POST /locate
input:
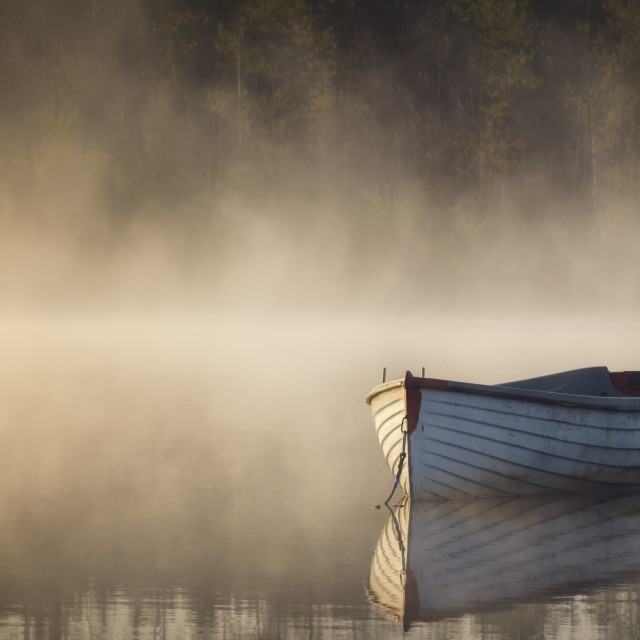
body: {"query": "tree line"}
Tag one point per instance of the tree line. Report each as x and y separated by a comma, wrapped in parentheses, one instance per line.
(377, 99)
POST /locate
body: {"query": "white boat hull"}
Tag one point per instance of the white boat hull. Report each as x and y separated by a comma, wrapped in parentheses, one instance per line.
(466, 441)
(388, 413)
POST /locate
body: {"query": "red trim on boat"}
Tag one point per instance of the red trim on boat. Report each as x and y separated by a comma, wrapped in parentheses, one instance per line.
(627, 382)
(413, 397)
(431, 383)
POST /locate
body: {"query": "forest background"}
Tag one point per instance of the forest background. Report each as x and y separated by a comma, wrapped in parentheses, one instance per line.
(304, 152)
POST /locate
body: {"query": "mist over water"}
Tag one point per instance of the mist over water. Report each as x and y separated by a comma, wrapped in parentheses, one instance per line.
(210, 248)
(218, 476)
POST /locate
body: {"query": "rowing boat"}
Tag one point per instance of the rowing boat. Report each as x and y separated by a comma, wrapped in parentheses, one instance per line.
(572, 431)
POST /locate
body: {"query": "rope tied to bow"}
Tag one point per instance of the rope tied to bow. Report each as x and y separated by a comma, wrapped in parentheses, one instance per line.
(403, 455)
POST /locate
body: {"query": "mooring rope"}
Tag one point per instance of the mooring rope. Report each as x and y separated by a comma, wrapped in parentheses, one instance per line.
(403, 455)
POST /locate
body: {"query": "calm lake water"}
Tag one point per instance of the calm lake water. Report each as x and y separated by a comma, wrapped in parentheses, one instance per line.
(182, 479)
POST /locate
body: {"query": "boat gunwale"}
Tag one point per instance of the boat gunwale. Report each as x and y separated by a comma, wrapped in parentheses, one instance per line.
(627, 404)
(385, 386)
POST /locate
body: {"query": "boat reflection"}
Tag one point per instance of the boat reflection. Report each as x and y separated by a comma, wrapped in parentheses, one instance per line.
(436, 560)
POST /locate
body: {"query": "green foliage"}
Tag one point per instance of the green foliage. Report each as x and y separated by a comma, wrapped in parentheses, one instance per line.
(382, 96)
(617, 97)
(500, 54)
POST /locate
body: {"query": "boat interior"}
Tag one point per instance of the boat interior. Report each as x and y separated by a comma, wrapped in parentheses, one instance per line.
(591, 381)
